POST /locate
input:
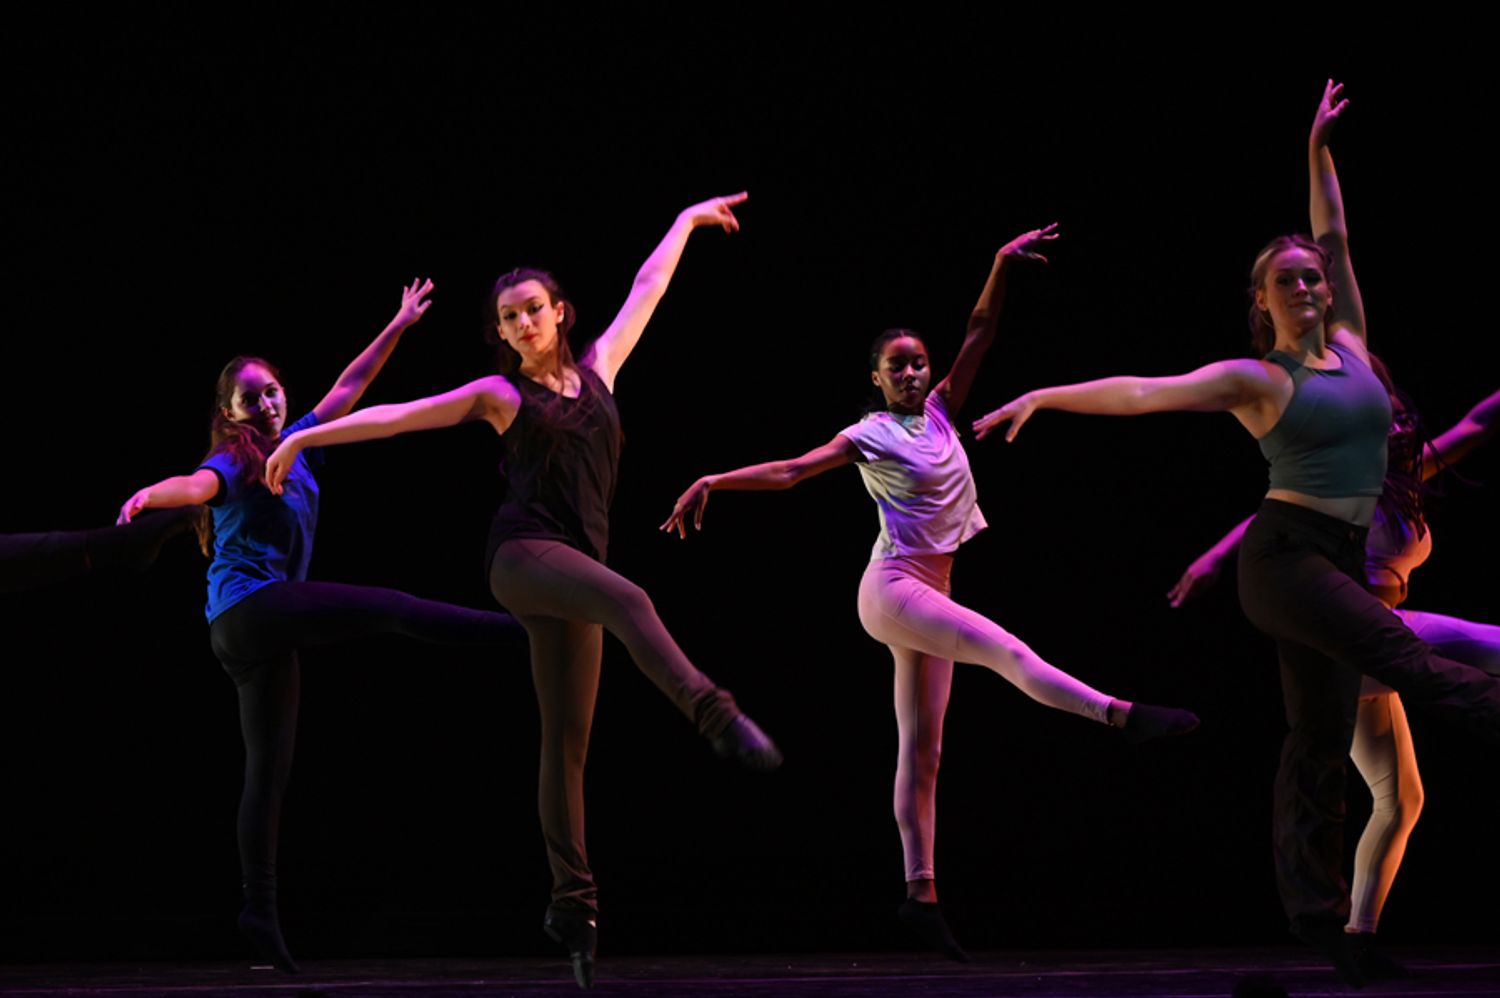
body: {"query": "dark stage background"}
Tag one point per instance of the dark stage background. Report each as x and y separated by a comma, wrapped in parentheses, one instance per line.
(179, 195)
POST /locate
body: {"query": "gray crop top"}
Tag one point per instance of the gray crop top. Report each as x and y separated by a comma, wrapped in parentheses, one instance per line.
(1331, 440)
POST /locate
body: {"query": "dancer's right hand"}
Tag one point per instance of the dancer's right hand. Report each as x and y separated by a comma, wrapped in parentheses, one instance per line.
(1199, 577)
(1016, 412)
(695, 499)
(133, 506)
(279, 464)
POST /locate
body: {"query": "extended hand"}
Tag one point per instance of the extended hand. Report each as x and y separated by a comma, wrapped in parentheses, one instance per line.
(1015, 412)
(1329, 109)
(413, 301)
(1198, 578)
(717, 211)
(694, 500)
(1026, 244)
(133, 506)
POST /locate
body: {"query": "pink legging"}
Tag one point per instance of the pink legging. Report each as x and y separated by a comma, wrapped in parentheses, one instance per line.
(904, 603)
(1387, 760)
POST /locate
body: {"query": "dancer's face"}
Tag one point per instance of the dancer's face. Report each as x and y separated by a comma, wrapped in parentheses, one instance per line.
(903, 375)
(1296, 291)
(528, 319)
(258, 400)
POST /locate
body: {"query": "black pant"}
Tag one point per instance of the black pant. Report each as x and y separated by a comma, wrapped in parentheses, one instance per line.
(257, 639)
(1301, 580)
(32, 561)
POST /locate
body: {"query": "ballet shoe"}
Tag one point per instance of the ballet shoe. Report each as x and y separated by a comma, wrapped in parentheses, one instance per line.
(1328, 937)
(925, 918)
(745, 743)
(261, 927)
(1144, 722)
(578, 931)
(1375, 965)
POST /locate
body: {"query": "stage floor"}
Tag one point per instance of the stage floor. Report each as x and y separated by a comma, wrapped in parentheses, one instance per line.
(1159, 974)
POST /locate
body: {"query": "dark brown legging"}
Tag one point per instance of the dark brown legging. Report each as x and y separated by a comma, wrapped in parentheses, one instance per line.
(566, 600)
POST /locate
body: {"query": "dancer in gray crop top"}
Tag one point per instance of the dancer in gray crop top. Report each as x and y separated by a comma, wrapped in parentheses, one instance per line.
(1302, 561)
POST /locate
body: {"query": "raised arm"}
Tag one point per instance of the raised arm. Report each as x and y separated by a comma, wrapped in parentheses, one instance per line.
(1475, 428)
(1326, 211)
(983, 320)
(492, 399)
(759, 477)
(346, 391)
(1242, 387)
(609, 351)
(169, 493)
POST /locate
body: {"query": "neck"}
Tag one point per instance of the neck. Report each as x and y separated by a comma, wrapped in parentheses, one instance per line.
(1302, 342)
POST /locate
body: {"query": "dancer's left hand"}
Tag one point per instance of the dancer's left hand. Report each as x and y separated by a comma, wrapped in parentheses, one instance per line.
(414, 302)
(1329, 109)
(716, 211)
(1016, 412)
(694, 500)
(1025, 245)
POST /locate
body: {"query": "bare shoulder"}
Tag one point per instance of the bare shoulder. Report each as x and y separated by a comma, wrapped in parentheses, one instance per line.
(496, 400)
(1351, 341)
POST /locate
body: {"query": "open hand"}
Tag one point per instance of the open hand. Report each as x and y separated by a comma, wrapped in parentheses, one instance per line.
(1329, 109)
(692, 502)
(413, 301)
(1016, 412)
(1025, 245)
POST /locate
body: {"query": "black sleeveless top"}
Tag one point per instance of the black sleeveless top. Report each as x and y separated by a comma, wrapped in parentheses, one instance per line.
(561, 457)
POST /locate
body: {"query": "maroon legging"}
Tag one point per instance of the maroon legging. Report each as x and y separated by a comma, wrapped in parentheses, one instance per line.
(566, 600)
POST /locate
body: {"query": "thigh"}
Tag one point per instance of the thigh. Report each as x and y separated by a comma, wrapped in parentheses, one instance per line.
(543, 578)
(1383, 750)
(1321, 698)
(901, 611)
(1466, 641)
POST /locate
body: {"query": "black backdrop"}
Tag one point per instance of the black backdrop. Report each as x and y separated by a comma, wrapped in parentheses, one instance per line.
(181, 193)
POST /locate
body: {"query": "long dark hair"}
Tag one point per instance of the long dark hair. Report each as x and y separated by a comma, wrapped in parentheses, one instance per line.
(1402, 497)
(1262, 331)
(248, 447)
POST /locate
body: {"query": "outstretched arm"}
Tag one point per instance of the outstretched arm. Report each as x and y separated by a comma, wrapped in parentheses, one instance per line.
(1475, 428)
(756, 477)
(492, 399)
(346, 391)
(1236, 386)
(1326, 211)
(169, 493)
(986, 315)
(609, 351)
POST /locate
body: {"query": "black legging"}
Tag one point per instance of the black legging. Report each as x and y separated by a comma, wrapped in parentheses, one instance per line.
(32, 561)
(1301, 580)
(567, 600)
(257, 639)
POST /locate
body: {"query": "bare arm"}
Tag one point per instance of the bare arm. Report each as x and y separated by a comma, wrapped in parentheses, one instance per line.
(1205, 569)
(986, 315)
(346, 391)
(615, 344)
(169, 493)
(1454, 443)
(1223, 386)
(492, 399)
(1326, 213)
(758, 477)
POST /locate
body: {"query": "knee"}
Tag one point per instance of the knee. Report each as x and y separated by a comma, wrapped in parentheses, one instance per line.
(631, 606)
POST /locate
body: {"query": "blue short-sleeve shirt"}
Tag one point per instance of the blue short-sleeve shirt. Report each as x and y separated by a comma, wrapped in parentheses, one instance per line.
(260, 538)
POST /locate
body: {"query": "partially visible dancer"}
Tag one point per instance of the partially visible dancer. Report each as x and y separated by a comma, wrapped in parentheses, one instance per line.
(914, 466)
(1321, 416)
(53, 557)
(1399, 542)
(261, 609)
(561, 433)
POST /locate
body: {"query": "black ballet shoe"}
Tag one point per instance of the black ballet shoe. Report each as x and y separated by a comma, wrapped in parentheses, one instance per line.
(578, 931)
(926, 920)
(1144, 722)
(261, 927)
(1329, 938)
(745, 743)
(1375, 965)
